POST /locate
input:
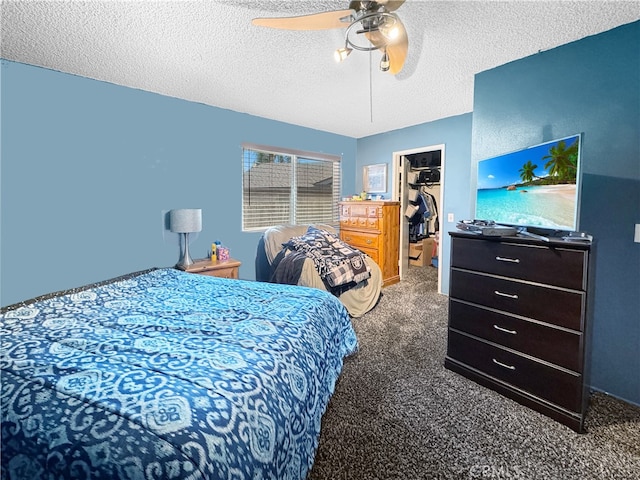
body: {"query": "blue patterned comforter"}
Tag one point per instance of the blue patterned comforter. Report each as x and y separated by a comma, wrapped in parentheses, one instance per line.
(170, 375)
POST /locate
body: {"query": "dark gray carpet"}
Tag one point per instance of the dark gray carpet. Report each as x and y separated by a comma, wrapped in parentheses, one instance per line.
(398, 414)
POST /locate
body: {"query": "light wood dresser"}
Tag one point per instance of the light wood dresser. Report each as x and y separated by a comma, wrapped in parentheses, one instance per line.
(373, 227)
(518, 321)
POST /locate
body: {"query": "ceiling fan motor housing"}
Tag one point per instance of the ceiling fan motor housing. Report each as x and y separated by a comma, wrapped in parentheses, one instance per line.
(366, 6)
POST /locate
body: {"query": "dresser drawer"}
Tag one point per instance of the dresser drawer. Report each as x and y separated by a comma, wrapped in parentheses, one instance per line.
(373, 223)
(360, 239)
(551, 265)
(363, 209)
(223, 268)
(546, 304)
(361, 223)
(366, 223)
(375, 256)
(352, 222)
(231, 272)
(551, 344)
(558, 386)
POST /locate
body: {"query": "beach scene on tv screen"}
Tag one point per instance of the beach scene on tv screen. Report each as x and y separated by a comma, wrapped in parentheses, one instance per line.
(535, 186)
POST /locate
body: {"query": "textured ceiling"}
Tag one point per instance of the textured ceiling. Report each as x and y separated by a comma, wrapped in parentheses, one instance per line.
(209, 52)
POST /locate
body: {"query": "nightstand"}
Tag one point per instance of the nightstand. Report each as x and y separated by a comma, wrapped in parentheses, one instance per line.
(223, 269)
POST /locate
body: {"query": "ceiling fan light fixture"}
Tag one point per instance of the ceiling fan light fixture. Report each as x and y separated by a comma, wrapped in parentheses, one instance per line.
(342, 53)
(389, 27)
(384, 62)
(369, 25)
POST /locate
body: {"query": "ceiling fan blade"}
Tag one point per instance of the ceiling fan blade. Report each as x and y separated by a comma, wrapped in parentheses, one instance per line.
(376, 38)
(397, 52)
(391, 5)
(316, 21)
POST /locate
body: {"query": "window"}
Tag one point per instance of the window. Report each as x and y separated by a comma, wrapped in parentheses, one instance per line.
(281, 186)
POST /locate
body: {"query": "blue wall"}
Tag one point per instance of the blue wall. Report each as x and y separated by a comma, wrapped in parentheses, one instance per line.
(88, 168)
(455, 134)
(590, 86)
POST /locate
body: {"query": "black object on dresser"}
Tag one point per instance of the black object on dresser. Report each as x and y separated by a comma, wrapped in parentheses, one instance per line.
(518, 320)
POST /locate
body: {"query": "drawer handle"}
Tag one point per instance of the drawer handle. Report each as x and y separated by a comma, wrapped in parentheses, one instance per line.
(510, 260)
(503, 365)
(512, 332)
(369, 241)
(348, 239)
(508, 295)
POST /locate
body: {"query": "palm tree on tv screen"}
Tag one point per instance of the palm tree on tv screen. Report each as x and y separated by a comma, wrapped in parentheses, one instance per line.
(527, 171)
(562, 162)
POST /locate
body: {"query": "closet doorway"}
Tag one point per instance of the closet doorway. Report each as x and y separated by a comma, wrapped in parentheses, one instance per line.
(403, 171)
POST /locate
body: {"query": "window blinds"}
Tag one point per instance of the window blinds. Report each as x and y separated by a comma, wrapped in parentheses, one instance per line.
(288, 187)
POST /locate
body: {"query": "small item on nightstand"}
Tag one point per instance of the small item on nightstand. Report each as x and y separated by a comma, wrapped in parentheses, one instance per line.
(223, 253)
(217, 245)
(214, 252)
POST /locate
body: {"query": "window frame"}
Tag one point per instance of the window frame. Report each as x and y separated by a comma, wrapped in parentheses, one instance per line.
(296, 155)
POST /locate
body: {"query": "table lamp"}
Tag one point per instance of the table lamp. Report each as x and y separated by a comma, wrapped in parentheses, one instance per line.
(185, 221)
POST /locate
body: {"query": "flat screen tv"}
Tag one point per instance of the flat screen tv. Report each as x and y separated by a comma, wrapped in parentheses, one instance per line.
(538, 186)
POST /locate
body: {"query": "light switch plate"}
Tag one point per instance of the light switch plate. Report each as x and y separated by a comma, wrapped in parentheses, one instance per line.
(636, 237)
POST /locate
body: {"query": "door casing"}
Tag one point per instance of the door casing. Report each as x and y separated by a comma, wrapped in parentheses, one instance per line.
(399, 193)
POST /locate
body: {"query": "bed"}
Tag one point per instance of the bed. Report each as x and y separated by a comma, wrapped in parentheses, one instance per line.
(164, 374)
(358, 298)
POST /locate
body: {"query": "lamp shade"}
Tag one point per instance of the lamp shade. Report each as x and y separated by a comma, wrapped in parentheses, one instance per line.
(185, 220)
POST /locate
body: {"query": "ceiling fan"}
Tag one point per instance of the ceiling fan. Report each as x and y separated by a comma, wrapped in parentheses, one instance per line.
(374, 20)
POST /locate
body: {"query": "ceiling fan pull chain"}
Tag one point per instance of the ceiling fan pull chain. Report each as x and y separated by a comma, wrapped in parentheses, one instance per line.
(370, 88)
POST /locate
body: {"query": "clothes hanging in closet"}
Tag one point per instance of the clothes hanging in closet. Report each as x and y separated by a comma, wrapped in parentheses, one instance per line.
(423, 216)
(432, 223)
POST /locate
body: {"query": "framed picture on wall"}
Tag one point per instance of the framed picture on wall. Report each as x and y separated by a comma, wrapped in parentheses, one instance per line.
(374, 178)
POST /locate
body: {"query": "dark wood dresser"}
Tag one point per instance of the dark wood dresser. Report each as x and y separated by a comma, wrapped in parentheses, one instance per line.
(518, 320)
